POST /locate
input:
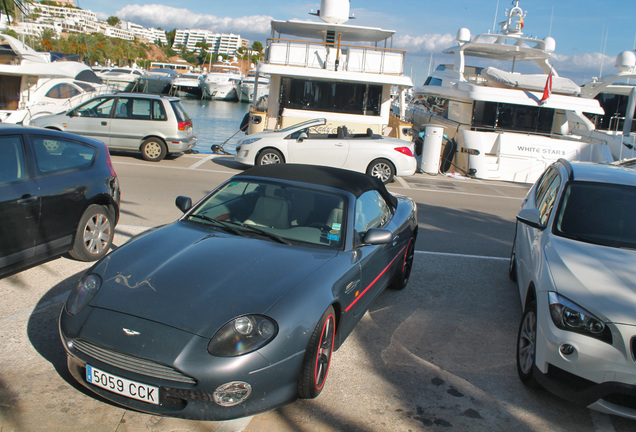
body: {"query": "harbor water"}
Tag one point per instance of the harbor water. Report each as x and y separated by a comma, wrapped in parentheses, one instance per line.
(215, 122)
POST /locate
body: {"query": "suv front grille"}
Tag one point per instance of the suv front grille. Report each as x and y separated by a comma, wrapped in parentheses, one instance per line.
(132, 364)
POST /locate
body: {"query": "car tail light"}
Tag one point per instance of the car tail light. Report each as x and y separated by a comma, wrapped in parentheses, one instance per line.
(109, 162)
(183, 125)
(405, 151)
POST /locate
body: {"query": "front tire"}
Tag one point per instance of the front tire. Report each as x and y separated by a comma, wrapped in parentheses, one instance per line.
(269, 156)
(94, 234)
(402, 276)
(382, 169)
(153, 149)
(527, 345)
(318, 357)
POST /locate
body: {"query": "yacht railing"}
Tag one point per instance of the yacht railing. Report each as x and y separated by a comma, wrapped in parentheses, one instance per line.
(335, 57)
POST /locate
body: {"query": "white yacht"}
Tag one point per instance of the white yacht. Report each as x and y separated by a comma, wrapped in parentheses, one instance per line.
(505, 125)
(31, 84)
(331, 70)
(124, 79)
(617, 95)
(222, 82)
(248, 85)
(188, 84)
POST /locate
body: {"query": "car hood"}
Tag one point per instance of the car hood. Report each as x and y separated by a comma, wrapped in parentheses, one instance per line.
(601, 279)
(196, 279)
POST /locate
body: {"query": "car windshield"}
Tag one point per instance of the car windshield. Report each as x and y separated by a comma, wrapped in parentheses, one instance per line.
(295, 214)
(599, 213)
(291, 128)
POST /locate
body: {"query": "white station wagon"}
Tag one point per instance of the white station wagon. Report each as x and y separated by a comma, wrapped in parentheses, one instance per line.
(310, 143)
(152, 124)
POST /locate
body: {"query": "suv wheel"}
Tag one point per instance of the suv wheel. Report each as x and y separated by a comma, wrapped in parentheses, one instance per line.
(94, 234)
(153, 149)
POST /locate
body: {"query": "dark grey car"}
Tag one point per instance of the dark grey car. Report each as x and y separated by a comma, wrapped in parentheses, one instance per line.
(58, 193)
(237, 307)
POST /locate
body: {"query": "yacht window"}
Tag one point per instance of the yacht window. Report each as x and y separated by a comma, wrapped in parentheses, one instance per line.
(615, 107)
(495, 115)
(330, 96)
(62, 91)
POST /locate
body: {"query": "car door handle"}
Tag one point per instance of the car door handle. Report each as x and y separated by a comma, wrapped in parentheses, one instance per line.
(27, 200)
(104, 123)
(339, 144)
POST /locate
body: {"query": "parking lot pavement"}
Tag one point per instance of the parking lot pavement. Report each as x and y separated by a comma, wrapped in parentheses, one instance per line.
(437, 356)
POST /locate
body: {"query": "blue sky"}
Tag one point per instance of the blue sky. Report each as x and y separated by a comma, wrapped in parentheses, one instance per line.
(589, 33)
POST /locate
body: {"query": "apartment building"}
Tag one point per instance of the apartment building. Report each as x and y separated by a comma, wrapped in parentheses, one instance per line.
(218, 43)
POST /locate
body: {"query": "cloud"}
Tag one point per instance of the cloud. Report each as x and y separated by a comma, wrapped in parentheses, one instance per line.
(583, 67)
(168, 18)
(432, 43)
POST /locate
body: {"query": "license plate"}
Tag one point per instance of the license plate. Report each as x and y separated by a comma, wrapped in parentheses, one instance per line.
(122, 386)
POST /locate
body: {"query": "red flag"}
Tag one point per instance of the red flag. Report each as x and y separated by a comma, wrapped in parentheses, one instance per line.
(548, 89)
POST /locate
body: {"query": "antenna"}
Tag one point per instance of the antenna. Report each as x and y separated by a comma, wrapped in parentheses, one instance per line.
(494, 23)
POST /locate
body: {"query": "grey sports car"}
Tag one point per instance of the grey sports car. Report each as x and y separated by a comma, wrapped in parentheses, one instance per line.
(237, 307)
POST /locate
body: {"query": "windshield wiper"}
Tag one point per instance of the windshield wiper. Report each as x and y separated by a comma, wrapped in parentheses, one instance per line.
(263, 232)
(221, 224)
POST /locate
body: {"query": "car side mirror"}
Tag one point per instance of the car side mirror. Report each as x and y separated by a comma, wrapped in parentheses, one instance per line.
(530, 217)
(303, 136)
(72, 113)
(183, 203)
(377, 236)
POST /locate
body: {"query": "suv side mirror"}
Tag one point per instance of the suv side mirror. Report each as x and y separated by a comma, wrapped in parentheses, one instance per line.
(183, 203)
(531, 217)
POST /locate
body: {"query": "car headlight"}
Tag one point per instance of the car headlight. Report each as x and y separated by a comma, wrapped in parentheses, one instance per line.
(569, 316)
(248, 141)
(83, 293)
(243, 335)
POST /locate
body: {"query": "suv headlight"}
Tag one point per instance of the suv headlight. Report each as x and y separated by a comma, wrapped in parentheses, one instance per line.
(243, 335)
(83, 293)
(569, 316)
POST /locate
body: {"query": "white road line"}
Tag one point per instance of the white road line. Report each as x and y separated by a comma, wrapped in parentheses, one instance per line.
(201, 162)
(463, 255)
(403, 182)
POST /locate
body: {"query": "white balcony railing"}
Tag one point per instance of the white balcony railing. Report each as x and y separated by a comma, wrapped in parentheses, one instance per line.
(349, 58)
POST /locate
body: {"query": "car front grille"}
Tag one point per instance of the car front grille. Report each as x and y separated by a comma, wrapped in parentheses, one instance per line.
(130, 363)
(633, 347)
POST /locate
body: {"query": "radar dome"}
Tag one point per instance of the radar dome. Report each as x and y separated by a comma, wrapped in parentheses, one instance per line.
(334, 11)
(625, 61)
(463, 35)
(550, 44)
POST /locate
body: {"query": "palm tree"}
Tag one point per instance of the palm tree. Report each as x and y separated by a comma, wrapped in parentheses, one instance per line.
(16, 4)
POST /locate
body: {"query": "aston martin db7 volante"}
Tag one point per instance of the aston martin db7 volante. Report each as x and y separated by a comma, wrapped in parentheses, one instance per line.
(237, 307)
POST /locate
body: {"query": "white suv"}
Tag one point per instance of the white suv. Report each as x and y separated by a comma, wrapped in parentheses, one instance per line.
(152, 124)
(574, 261)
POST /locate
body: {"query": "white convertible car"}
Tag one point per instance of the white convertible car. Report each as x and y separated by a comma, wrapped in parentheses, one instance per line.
(310, 143)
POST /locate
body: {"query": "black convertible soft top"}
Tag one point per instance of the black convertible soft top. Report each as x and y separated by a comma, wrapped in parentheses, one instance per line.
(350, 181)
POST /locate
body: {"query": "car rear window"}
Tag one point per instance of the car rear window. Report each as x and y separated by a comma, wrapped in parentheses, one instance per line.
(599, 213)
(179, 111)
(54, 154)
